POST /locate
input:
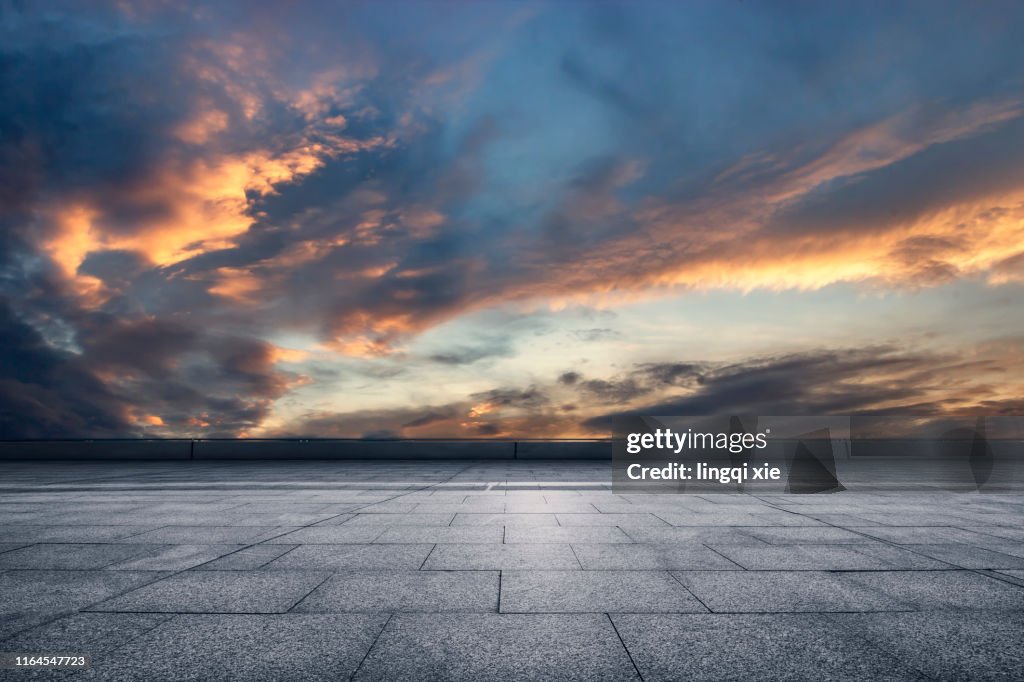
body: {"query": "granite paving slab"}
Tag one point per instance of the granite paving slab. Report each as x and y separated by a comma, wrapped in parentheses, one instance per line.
(576, 647)
(480, 557)
(244, 648)
(784, 591)
(218, 592)
(402, 591)
(753, 647)
(595, 592)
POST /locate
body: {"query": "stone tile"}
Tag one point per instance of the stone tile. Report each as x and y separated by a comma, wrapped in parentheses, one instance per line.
(329, 535)
(476, 505)
(1012, 548)
(498, 647)
(903, 557)
(426, 506)
(247, 559)
(60, 590)
(210, 535)
(965, 556)
(647, 557)
(623, 520)
(921, 535)
(173, 557)
(466, 557)
(145, 518)
(735, 518)
(415, 519)
(594, 592)
(244, 648)
(353, 557)
(340, 507)
(561, 534)
(801, 558)
(1005, 532)
(274, 519)
(843, 520)
(810, 535)
(69, 556)
(85, 632)
(287, 508)
(896, 517)
(752, 647)
(556, 507)
(691, 534)
(8, 546)
(490, 507)
(31, 597)
(76, 534)
(390, 508)
(948, 645)
(442, 534)
(784, 591)
(928, 590)
(504, 520)
(219, 592)
(338, 520)
(398, 591)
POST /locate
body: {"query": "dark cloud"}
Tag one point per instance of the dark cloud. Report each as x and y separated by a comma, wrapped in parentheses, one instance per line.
(149, 346)
(673, 373)
(427, 421)
(569, 378)
(499, 347)
(529, 398)
(504, 412)
(865, 380)
(47, 393)
(618, 391)
(595, 334)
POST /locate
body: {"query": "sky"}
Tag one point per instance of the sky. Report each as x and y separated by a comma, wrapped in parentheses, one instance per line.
(496, 219)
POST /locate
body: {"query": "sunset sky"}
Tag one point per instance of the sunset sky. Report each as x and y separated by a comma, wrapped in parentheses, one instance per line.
(505, 219)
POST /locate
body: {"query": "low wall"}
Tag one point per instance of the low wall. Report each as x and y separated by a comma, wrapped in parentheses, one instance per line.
(301, 449)
(96, 450)
(354, 449)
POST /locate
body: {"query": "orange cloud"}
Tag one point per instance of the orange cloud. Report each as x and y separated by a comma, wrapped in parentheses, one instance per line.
(237, 284)
(198, 198)
(280, 354)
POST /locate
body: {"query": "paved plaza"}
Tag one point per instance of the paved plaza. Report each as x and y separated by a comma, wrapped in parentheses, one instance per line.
(497, 570)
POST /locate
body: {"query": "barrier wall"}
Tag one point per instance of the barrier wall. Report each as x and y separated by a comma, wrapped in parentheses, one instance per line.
(354, 449)
(311, 449)
(97, 450)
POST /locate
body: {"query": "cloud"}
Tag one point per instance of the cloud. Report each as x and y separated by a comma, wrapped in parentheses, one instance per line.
(869, 380)
(181, 188)
(46, 393)
(569, 378)
(484, 349)
(857, 380)
(595, 334)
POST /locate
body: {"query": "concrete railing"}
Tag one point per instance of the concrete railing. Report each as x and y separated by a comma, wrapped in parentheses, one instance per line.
(300, 449)
(429, 449)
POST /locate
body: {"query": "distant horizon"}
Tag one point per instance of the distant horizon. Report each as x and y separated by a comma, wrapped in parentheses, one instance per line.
(505, 220)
